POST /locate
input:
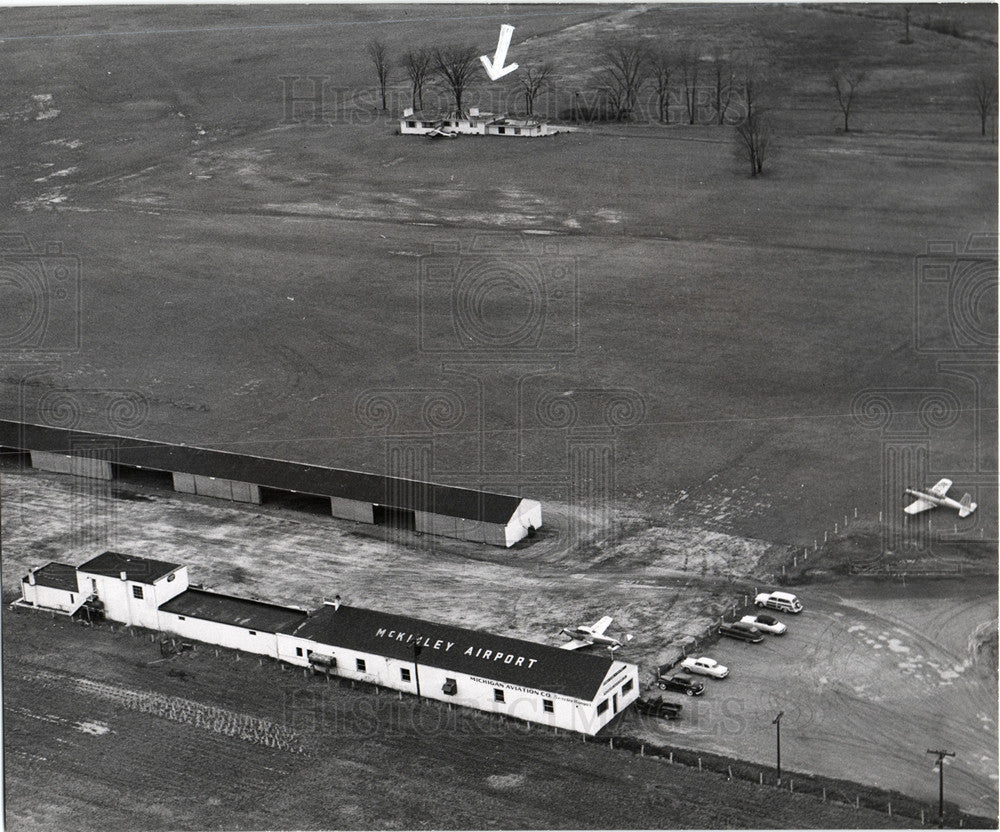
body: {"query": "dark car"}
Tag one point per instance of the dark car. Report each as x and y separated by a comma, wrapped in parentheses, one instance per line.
(742, 631)
(659, 708)
(682, 684)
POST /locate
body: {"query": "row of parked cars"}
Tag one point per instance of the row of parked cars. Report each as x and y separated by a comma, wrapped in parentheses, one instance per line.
(749, 628)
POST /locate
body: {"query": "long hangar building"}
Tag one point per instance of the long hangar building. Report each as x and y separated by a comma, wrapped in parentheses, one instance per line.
(538, 683)
(429, 508)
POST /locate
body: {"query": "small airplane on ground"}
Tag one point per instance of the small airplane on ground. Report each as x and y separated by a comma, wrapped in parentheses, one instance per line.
(440, 133)
(584, 636)
(936, 498)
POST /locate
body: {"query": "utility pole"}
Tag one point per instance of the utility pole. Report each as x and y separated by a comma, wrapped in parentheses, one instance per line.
(940, 767)
(777, 724)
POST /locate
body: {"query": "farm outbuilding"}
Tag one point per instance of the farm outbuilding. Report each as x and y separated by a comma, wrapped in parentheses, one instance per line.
(566, 689)
(424, 507)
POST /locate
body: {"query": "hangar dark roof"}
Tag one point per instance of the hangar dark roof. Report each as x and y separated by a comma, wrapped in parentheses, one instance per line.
(473, 652)
(465, 503)
(140, 570)
(57, 576)
(229, 609)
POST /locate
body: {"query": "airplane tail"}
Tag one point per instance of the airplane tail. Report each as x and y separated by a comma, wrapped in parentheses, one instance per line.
(967, 506)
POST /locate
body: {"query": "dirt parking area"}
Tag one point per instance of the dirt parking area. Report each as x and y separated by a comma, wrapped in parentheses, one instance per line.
(869, 676)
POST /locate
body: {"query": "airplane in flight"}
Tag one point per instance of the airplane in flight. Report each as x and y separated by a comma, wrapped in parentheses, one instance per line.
(584, 636)
(937, 497)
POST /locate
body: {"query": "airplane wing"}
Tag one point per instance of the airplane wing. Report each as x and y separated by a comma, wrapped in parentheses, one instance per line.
(941, 488)
(575, 644)
(599, 628)
(919, 506)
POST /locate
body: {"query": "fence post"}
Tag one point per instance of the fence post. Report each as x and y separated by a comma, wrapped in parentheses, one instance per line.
(730, 772)
(921, 817)
(642, 750)
(699, 764)
(890, 808)
(761, 775)
(791, 785)
(857, 802)
(671, 758)
(824, 794)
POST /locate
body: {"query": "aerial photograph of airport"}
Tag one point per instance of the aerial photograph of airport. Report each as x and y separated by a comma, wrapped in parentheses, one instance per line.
(499, 416)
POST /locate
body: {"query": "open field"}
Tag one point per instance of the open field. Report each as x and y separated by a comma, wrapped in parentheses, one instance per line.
(80, 759)
(265, 286)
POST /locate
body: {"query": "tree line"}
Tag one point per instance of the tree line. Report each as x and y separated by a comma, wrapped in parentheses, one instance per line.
(634, 77)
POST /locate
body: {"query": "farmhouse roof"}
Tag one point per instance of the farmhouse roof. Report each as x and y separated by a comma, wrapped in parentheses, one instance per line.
(230, 609)
(140, 570)
(57, 576)
(452, 501)
(497, 658)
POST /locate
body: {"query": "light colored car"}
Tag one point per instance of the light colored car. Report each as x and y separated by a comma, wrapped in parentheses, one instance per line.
(777, 600)
(705, 666)
(767, 623)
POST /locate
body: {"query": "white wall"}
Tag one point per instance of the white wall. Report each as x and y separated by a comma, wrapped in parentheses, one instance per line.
(50, 598)
(472, 692)
(120, 603)
(79, 466)
(223, 635)
(528, 513)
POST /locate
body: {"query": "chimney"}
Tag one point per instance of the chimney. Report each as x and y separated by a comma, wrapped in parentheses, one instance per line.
(407, 112)
(124, 575)
(336, 602)
(31, 577)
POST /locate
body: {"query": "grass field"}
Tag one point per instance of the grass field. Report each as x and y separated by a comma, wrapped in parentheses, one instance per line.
(266, 286)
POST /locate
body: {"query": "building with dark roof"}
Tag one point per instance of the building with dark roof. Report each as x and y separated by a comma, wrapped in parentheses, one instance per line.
(429, 508)
(567, 689)
(536, 682)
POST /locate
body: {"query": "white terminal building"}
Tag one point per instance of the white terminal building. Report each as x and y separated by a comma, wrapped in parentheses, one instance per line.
(472, 123)
(537, 683)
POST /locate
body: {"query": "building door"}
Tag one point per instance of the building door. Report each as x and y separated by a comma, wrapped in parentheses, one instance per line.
(614, 703)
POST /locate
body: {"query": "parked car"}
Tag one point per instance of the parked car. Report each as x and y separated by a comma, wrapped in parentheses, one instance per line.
(741, 631)
(782, 601)
(659, 707)
(765, 622)
(681, 683)
(705, 666)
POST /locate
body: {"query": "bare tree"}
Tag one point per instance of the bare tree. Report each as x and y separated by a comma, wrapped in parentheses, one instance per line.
(377, 52)
(845, 84)
(418, 66)
(983, 86)
(905, 10)
(753, 130)
(456, 65)
(530, 81)
(753, 135)
(722, 70)
(661, 67)
(690, 64)
(623, 67)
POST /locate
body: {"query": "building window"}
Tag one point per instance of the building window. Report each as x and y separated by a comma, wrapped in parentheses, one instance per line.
(450, 687)
(517, 131)
(602, 707)
(627, 686)
(411, 124)
(298, 651)
(71, 598)
(548, 706)
(498, 695)
(180, 618)
(136, 591)
(253, 632)
(404, 674)
(501, 130)
(170, 577)
(361, 666)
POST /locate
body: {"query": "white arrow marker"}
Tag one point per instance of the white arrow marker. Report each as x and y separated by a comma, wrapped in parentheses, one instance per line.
(495, 68)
